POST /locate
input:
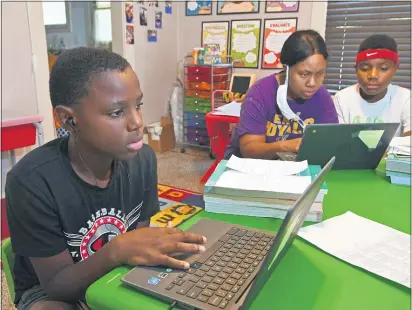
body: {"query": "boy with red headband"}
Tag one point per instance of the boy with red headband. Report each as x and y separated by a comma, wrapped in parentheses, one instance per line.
(374, 99)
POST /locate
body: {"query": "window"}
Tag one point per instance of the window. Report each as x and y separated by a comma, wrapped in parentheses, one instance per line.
(56, 15)
(102, 28)
(349, 23)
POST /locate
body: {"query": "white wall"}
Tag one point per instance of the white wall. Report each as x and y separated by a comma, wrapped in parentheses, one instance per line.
(154, 63)
(189, 29)
(318, 20)
(25, 69)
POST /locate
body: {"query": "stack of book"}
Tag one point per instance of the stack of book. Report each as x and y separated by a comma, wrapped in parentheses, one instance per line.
(260, 203)
(398, 163)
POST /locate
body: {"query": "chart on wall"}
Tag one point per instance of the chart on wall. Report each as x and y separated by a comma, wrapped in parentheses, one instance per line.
(281, 6)
(216, 33)
(244, 43)
(194, 8)
(236, 7)
(275, 34)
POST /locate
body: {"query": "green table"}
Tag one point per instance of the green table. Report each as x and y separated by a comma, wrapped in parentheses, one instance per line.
(307, 278)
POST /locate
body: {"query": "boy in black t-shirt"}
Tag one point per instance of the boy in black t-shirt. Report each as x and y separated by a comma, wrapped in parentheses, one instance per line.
(73, 204)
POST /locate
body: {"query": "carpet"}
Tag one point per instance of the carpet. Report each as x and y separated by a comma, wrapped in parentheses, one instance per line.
(176, 205)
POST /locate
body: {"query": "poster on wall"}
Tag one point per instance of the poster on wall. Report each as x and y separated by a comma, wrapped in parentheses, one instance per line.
(244, 43)
(194, 8)
(281, 6)
(216, 33)
(129, 12)
(152, 35)
(154, 3)
(143, 16)
(237, 7)
(158, 20)
(130, 34)
(168, 7)
(275, 34)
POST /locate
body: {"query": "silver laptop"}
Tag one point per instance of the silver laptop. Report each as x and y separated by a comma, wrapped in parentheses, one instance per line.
(237, 263)
(353, 145)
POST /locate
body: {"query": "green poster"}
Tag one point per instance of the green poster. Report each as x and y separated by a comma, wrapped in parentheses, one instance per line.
(244, 43)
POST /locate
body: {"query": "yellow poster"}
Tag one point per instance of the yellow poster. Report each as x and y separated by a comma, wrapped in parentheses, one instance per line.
(216, 33)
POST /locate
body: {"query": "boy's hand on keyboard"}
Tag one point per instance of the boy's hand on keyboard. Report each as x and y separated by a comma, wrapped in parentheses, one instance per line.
(155, 246)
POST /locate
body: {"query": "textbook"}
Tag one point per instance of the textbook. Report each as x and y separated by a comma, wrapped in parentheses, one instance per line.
(210, 187)
(258, 203)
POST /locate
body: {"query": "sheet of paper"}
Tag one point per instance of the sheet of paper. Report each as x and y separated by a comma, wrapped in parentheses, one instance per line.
(266, 167)
(230, 109)
(401, 141)
(267, 183)
(400, 146)
(361, 242)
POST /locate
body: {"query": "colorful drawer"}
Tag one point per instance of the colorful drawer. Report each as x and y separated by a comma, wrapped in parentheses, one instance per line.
(206, 78)
(195, 123)
(206, 70)
(206, 85)
(195, 116)
(197, 101)
(201, 140)
(194, 131)
(196, 109)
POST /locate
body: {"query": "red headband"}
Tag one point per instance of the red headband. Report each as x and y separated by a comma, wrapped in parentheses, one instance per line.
(377, 53)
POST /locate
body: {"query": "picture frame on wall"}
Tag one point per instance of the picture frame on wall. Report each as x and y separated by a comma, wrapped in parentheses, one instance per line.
(275, 33)
(281, 6)
(245, 43)
(216, 32)
(196, 8)
(237, 7)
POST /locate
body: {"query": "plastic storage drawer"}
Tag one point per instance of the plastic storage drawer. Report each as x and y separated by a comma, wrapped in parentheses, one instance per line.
(195, 116)
(194, 131)
(196, 108)
(203, 94)
(197, 139)
(197, 101)
(206, 70)
(206, 86)
(206, 78)
(195, 123)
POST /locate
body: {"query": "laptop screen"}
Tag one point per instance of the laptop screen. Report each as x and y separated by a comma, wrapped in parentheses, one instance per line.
(287, 233)
(240, 84)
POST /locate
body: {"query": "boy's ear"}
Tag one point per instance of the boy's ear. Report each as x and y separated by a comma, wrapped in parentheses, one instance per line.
(63, 114)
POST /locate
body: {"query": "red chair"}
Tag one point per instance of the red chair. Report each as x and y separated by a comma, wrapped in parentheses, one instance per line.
(218, 129)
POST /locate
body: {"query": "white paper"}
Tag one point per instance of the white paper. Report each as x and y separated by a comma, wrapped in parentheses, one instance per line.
(400, 146)
(266, 183)
(266, 167)
(361, 242)
(230, 109)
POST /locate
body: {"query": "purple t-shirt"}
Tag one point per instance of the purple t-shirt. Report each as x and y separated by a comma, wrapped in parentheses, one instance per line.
(260, 115)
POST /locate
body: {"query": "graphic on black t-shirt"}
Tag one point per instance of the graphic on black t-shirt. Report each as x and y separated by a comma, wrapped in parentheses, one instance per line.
(103, 226)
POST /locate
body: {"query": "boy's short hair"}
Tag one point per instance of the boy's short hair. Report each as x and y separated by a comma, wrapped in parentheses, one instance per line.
(378, 41)
(71, 74)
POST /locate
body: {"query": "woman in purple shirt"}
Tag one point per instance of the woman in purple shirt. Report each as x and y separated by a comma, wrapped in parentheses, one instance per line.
(278, 107)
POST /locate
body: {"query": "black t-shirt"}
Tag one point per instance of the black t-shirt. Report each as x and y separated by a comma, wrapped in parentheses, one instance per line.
(50, 208)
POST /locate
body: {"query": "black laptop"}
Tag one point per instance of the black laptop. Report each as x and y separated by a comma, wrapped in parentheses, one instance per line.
(355, 146)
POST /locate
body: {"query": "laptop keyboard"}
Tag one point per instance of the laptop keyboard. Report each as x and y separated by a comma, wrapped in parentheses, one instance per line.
(219, 274)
